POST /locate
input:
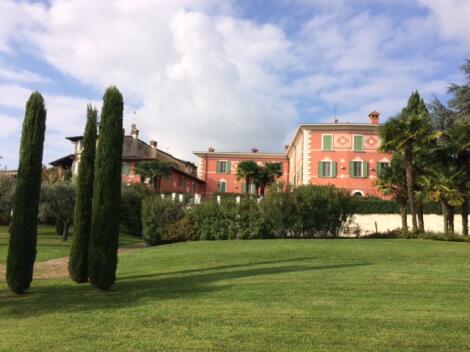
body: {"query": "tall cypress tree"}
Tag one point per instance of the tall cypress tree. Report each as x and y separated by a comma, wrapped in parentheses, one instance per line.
(78, 260)
(23, 229)
(107, 193)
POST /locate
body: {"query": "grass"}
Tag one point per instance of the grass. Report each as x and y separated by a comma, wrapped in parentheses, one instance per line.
(50, 245)
(272, 295)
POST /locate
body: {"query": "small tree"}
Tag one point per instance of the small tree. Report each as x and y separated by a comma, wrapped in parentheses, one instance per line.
(58, 201)
(104, 235)
(267, 175)
(155, 170)
(78, 259)
(23, 229)
(248, 170)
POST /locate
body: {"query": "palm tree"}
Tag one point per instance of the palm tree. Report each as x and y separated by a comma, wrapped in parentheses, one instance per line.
(406, 133)
(392, 181)
(267, 175)
(248, 170)
(442, 185)
(155, 170)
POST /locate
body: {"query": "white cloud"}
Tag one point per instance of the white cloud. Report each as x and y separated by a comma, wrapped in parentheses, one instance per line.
(200, 75)
(20, 76)
(452, 17)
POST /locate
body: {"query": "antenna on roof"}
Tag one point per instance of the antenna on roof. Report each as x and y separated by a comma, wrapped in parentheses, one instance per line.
(336, 118)
(134, 116)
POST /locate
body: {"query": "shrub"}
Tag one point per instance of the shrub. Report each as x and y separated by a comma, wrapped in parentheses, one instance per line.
(182, 230)
(131, 208)
(322, 210)
(279, 212)
(249, 220)
(213, 221)
(7, 190)
(157, 216)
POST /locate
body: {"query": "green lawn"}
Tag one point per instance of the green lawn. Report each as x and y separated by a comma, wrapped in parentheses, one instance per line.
(49, 244)
(272, 295)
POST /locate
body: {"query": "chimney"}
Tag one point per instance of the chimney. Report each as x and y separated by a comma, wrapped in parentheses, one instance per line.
(286, 147)
(374, 117)
(211, 149)
(134, 131)
(254, 150)
(153, 148)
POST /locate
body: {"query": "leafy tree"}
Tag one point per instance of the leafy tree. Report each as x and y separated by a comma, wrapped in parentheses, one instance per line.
(392, 181)
(248, 170)
(7, 191)
(460, 101)
(406, 133)
(78, 259)
(58, 201)
(155, 170)
(23, 229)
(104, 235)
(267, 175)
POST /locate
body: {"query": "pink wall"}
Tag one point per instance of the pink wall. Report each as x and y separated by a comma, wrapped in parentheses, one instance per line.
(212, 177)
(342, 154)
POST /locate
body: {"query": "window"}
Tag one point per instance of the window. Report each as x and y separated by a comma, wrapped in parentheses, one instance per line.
(381, 166)
(167, 178)
(125, 169)
(222, 187)
(193, 186)
(252, 188)
(327, 169)
(327, 142)
(181, 181)
(223, 167)
(358, 143)
(359, 169)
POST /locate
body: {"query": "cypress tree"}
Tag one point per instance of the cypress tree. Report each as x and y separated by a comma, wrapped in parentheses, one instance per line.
(78, 260)
(23, 229)
(106, 193)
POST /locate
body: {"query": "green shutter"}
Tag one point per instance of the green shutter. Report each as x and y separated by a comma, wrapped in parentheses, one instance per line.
(365, 169)
(358, 144)
(351, 168)
(218, 166)
(243, 187)
(333, 168)
(320, 169)
(327, 142)
(379, 169)
(229, 166)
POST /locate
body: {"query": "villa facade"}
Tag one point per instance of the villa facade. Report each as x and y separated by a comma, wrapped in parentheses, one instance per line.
(345, 155)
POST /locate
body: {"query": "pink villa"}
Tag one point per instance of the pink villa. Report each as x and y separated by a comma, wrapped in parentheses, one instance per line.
(345, 155)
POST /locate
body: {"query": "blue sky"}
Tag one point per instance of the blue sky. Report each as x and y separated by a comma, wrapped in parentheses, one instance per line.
(227, 74)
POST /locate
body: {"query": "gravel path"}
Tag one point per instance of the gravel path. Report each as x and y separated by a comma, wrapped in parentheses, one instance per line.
(57, 268)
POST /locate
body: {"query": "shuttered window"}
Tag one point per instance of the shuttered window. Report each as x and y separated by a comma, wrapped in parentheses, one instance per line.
(223, 166)
(327, 168)
(358, 143)
(222, 187)
(359, 169)
(327, 142)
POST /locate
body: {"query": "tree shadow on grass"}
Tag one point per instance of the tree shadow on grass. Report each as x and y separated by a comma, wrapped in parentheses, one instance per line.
(52, 297)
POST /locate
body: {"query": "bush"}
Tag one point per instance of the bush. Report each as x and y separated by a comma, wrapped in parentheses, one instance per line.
(7, 190)
(157, 216)
(322, 210)
(228, 220)
(131, 208)
(279, 211)
(180, 231)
